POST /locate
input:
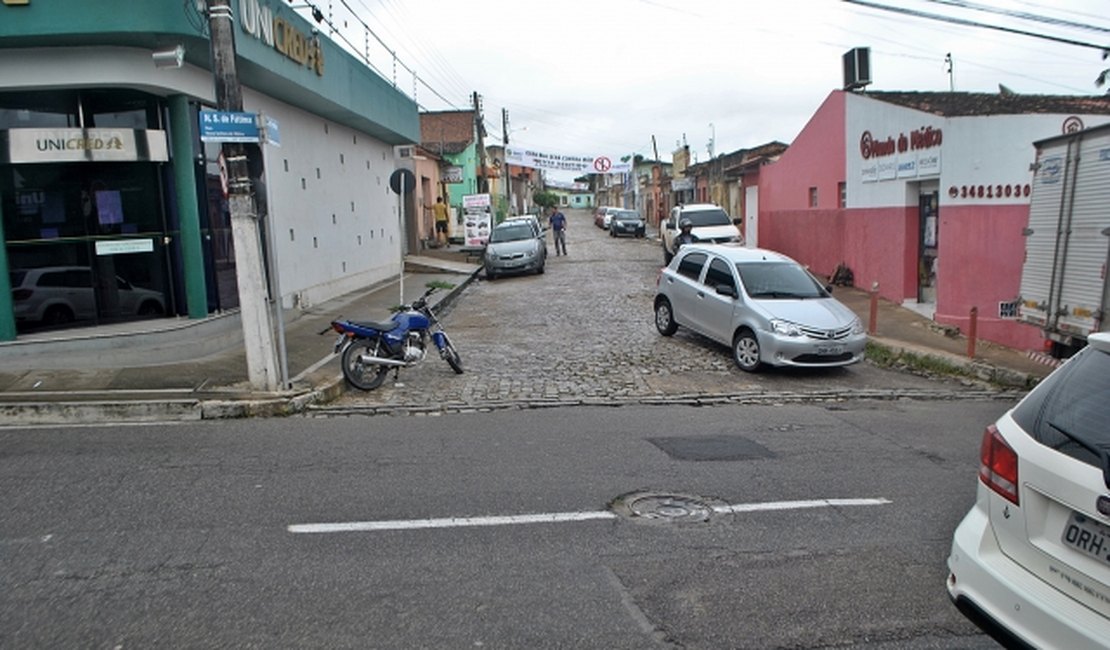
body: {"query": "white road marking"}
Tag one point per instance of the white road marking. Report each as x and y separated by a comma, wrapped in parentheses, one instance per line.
(558, 517)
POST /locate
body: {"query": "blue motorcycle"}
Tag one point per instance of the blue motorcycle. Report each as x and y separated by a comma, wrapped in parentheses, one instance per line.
(370, 349)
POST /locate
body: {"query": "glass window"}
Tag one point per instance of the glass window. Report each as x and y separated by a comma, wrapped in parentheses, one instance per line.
(690, 265)
(719, 274)
(118, 108)
(786, 280)
(1069, 410)
(38, 110)
(715, 217)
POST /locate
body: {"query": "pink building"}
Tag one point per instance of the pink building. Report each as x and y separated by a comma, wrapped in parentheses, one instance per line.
(925, 193)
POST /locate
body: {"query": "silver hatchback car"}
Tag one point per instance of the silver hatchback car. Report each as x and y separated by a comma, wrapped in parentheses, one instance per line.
(514, 246)
(764, 305)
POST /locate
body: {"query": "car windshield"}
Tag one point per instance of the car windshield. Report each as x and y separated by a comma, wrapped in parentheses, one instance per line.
(784, 280)
(511, 232)
(700, 218)
(627, 215)
(16, 278)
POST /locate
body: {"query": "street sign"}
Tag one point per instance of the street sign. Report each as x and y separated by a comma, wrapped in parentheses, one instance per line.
(402, 181)
(271, 134)
(228, 126)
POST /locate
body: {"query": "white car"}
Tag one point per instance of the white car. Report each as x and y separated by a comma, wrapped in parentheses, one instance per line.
(57, 295)
(765, 306)
(1030, 563)
(711, 226)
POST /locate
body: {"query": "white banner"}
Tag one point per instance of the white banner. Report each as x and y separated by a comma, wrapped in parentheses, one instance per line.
(576, 164)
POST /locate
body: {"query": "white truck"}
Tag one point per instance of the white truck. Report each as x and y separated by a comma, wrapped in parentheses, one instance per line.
(710, 222)
(1064, 288)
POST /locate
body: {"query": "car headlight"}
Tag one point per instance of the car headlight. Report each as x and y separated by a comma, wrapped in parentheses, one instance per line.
(785, 328)
(857, 326)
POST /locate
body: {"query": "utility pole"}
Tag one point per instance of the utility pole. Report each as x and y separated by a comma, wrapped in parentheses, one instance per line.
(483, 183)
(257, 332)
(505, 161)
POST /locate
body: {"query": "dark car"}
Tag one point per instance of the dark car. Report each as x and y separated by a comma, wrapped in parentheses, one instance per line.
(627, 222)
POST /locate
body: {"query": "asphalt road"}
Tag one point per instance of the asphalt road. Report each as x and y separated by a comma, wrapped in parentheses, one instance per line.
(180, 536)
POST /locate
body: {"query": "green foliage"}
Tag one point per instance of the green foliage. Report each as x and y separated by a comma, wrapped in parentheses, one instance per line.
(546, 199)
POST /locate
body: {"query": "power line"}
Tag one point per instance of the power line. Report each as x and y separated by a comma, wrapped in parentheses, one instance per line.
(972, 23)
(1024, 15)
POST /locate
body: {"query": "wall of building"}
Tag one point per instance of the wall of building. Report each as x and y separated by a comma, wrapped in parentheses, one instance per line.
(335, 218)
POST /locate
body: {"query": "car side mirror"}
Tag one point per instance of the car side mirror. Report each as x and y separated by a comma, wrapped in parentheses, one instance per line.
(736, 221)
(727, 290)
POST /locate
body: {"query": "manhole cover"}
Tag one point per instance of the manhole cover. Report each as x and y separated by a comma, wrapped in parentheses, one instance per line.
(658, 507)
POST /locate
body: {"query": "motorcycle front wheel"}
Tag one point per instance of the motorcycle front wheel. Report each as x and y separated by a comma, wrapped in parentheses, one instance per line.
(363, 376)
(451, 356)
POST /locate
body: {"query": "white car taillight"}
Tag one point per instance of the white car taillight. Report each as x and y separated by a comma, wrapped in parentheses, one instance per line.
(998, 465)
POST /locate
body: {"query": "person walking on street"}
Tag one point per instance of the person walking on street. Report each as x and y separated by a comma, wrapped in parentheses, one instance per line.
(559, 231)
(439, 210)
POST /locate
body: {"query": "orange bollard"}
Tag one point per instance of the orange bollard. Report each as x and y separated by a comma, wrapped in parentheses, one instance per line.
(873, 321)
(972, 332)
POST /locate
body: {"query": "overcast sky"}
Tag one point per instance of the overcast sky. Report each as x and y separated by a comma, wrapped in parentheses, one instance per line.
(601, 77)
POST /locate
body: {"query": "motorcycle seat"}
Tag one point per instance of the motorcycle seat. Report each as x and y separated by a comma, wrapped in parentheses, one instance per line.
(380, 325)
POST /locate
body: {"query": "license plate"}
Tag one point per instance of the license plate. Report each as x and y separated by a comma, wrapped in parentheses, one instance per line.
(1087, 536)
(830, 349)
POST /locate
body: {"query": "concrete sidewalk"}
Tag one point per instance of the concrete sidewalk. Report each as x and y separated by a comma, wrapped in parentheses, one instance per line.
(176, 369)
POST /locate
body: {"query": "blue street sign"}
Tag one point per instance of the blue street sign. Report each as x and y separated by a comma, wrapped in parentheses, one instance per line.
(228, 126)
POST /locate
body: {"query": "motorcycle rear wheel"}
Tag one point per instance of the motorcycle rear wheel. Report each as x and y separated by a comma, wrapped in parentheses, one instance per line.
(451, 356)
(363, 376)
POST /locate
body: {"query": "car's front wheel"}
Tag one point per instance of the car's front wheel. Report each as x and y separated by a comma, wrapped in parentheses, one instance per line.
(745, 351)
(664, 317)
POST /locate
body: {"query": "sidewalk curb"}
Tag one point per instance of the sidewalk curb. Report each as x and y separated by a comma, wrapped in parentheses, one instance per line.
(907, 353)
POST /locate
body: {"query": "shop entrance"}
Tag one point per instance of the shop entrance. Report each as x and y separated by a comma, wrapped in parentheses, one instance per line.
(927, 248)
(85, 243)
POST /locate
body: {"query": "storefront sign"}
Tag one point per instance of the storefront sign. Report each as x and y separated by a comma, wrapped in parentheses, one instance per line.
(83, 145)
(228, 126)
(924, 138)
(124, 246)
(452, 174)
(258, 20)
(576, 164)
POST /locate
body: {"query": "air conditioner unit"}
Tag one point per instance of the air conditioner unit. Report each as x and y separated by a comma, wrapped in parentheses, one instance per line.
(857, 68)
(403, 151)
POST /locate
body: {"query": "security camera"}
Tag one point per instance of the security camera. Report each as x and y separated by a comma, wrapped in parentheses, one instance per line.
(315, 31)
(169, 58)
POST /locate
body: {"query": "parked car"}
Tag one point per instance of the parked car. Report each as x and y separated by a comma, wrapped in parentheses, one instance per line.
(712, 225)
(57, 295)
(604, 215)
(514, 247)
(627, 222)
(1030, 563)
(533, 221)
(764, 305)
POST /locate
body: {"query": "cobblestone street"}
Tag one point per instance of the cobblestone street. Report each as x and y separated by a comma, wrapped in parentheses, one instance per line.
(583, 332)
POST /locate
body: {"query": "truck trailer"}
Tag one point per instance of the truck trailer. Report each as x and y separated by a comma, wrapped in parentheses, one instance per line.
(1064, 289)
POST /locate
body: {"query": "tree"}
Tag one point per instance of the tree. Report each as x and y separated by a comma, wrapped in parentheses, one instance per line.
(546, 199)
(1104, 76)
